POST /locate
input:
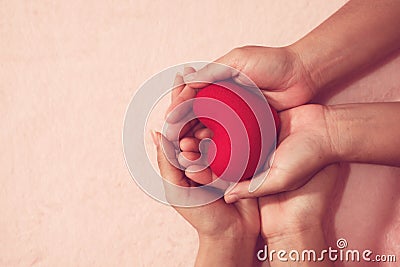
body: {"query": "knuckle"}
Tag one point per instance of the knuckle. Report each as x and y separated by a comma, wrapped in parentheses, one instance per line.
(236, 58)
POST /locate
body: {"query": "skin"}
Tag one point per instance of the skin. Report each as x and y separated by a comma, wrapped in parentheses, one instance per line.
(357, 36)
(290, 77)
(314, 136)
(293, 220)
(223, 228)
(297, 214)
(334, 51)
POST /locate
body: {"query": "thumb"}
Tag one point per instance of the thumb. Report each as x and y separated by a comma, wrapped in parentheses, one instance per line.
(166, 153)
(296, 160)
(274, 181)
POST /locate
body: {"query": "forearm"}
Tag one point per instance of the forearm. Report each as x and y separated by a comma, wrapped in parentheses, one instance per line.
(366, 133)
(356, 36)
(311, 240)
(226, 252)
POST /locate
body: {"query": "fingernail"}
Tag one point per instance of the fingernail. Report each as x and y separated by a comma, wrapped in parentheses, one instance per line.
(190, 77)
(256, 182)
(231, 198)
(230, 187)
(253, 188)
(156, 141)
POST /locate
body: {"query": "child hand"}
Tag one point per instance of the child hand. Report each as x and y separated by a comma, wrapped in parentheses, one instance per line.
(223, 229)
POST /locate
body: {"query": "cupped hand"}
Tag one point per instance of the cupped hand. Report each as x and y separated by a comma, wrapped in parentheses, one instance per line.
(305, 146)
(217, 219)
(278, 72)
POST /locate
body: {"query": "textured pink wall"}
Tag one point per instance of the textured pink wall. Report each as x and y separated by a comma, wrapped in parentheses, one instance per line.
(68, 71)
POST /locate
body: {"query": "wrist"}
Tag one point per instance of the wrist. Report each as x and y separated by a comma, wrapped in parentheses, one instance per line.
(305, 68)
(295, 231)
(336, 140)
(228, 240)
(365, 132)
(311, 239)
(226, 251)
(231, 232)
(340, 128)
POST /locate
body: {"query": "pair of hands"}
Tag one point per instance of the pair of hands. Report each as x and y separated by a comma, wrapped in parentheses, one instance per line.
(303, 152)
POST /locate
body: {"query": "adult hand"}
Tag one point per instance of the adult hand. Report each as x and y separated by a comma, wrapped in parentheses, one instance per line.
(278, 72)
(305, 146)
(293, 220)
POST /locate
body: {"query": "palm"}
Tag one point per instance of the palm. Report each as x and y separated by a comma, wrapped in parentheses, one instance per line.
(302, 208)
(303, 147)
(212, 219)
(219, 217)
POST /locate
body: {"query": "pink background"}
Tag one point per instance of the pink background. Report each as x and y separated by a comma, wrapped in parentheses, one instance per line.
(67, 73)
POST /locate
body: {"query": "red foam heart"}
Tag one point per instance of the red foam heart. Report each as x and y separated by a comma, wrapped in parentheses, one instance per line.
(244, 130)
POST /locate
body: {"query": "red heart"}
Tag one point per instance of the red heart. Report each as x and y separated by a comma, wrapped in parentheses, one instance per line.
(244, 130)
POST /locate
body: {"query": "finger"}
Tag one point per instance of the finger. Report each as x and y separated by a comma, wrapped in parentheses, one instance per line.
(178, 86)
(293, 166)
(187, 128)
(190, 144)
(221, 69)
(277, 180)
(180, 107)
(185, 94)
(203, 133)
(200, 174)
(187, 159)
(167, 170)
(175, 131)
(195, 128)
(188, 92)
(187, 70)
